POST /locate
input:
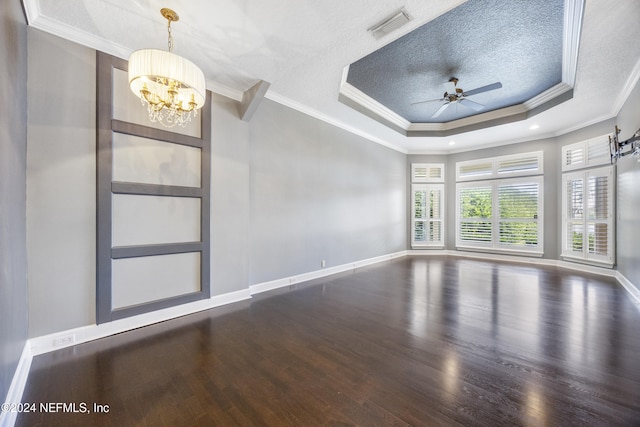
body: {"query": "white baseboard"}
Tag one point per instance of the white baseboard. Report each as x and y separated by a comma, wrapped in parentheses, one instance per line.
(633, 290)
(14, 396)
(304, 277)
(58, 340)
(520, 259)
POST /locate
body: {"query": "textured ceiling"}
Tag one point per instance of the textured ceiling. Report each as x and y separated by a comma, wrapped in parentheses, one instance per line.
(302, 47)
(521, 48)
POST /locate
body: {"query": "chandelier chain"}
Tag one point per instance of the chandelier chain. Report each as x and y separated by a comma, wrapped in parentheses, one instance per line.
(170, 38)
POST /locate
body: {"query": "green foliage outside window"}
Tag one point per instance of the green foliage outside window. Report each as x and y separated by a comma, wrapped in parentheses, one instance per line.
(517, 204)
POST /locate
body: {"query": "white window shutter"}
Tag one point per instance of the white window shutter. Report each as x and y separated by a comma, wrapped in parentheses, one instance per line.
(475, 170)
(583, 154)
(427, 172)
(427, 206)
(587, 198)
(528, 163)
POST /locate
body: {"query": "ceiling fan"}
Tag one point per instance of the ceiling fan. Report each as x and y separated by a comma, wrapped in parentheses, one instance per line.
(453, 94)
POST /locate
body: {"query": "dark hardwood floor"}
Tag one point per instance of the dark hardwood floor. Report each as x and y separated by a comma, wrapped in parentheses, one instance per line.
(414, 341)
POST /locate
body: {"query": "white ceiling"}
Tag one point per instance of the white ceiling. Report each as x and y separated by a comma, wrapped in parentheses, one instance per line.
(301, 47)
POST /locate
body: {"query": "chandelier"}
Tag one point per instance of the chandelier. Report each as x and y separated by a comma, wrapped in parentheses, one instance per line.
(171, 87)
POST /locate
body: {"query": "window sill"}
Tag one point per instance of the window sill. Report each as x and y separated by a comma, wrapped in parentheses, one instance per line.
(533, 254)
(595, 263)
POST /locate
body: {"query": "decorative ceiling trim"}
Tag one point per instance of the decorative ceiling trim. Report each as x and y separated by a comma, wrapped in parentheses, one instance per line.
(356, 95)
(288, 102)
(573, 14)
(631, 83)
(42, 22)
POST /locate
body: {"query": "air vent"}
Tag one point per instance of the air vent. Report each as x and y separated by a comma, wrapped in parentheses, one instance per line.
(390, 23)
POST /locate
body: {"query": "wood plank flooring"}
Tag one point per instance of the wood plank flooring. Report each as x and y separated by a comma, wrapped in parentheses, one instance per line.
(415, 341)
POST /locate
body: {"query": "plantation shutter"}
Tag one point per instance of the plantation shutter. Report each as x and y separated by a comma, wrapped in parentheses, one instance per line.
(598, 216)
(598, 151)
(593, 152)
(528, 163)
(475, 206)
(573, 156)
(428, 214)
(574, 221)
(588, 215)
(518, 206)
(475, 170)
(427, 172)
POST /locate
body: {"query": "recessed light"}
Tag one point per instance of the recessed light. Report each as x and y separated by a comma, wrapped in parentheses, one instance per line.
(534, 127)
(452, 143)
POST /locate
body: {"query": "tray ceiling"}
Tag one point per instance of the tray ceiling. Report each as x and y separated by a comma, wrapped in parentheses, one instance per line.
(522, 49)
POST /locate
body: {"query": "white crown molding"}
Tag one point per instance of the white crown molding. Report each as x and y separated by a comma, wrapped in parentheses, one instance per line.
(471, 120)
(223, 90)
(32, 10)
(288, 102)
(359, 97)
(57, 28)
(385, 113)
(573, 13)
(630, 84)
(547, 95)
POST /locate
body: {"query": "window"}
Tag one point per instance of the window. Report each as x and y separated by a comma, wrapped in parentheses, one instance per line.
(495, 212)
(427, 223)
(427, 205)
(501, 215)
(587, 226)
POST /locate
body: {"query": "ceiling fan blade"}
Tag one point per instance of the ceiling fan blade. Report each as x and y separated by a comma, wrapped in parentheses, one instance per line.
(471, 104)
(440, 110)
(482, 89)
(422, 102)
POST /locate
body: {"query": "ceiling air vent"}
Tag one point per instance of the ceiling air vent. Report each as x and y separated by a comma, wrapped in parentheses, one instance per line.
(390, 23)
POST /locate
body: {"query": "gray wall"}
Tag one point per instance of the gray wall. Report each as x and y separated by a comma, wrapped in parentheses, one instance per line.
(229, 198)
(61, 182)
(320, 193)
(628, 195)
(13, 139)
